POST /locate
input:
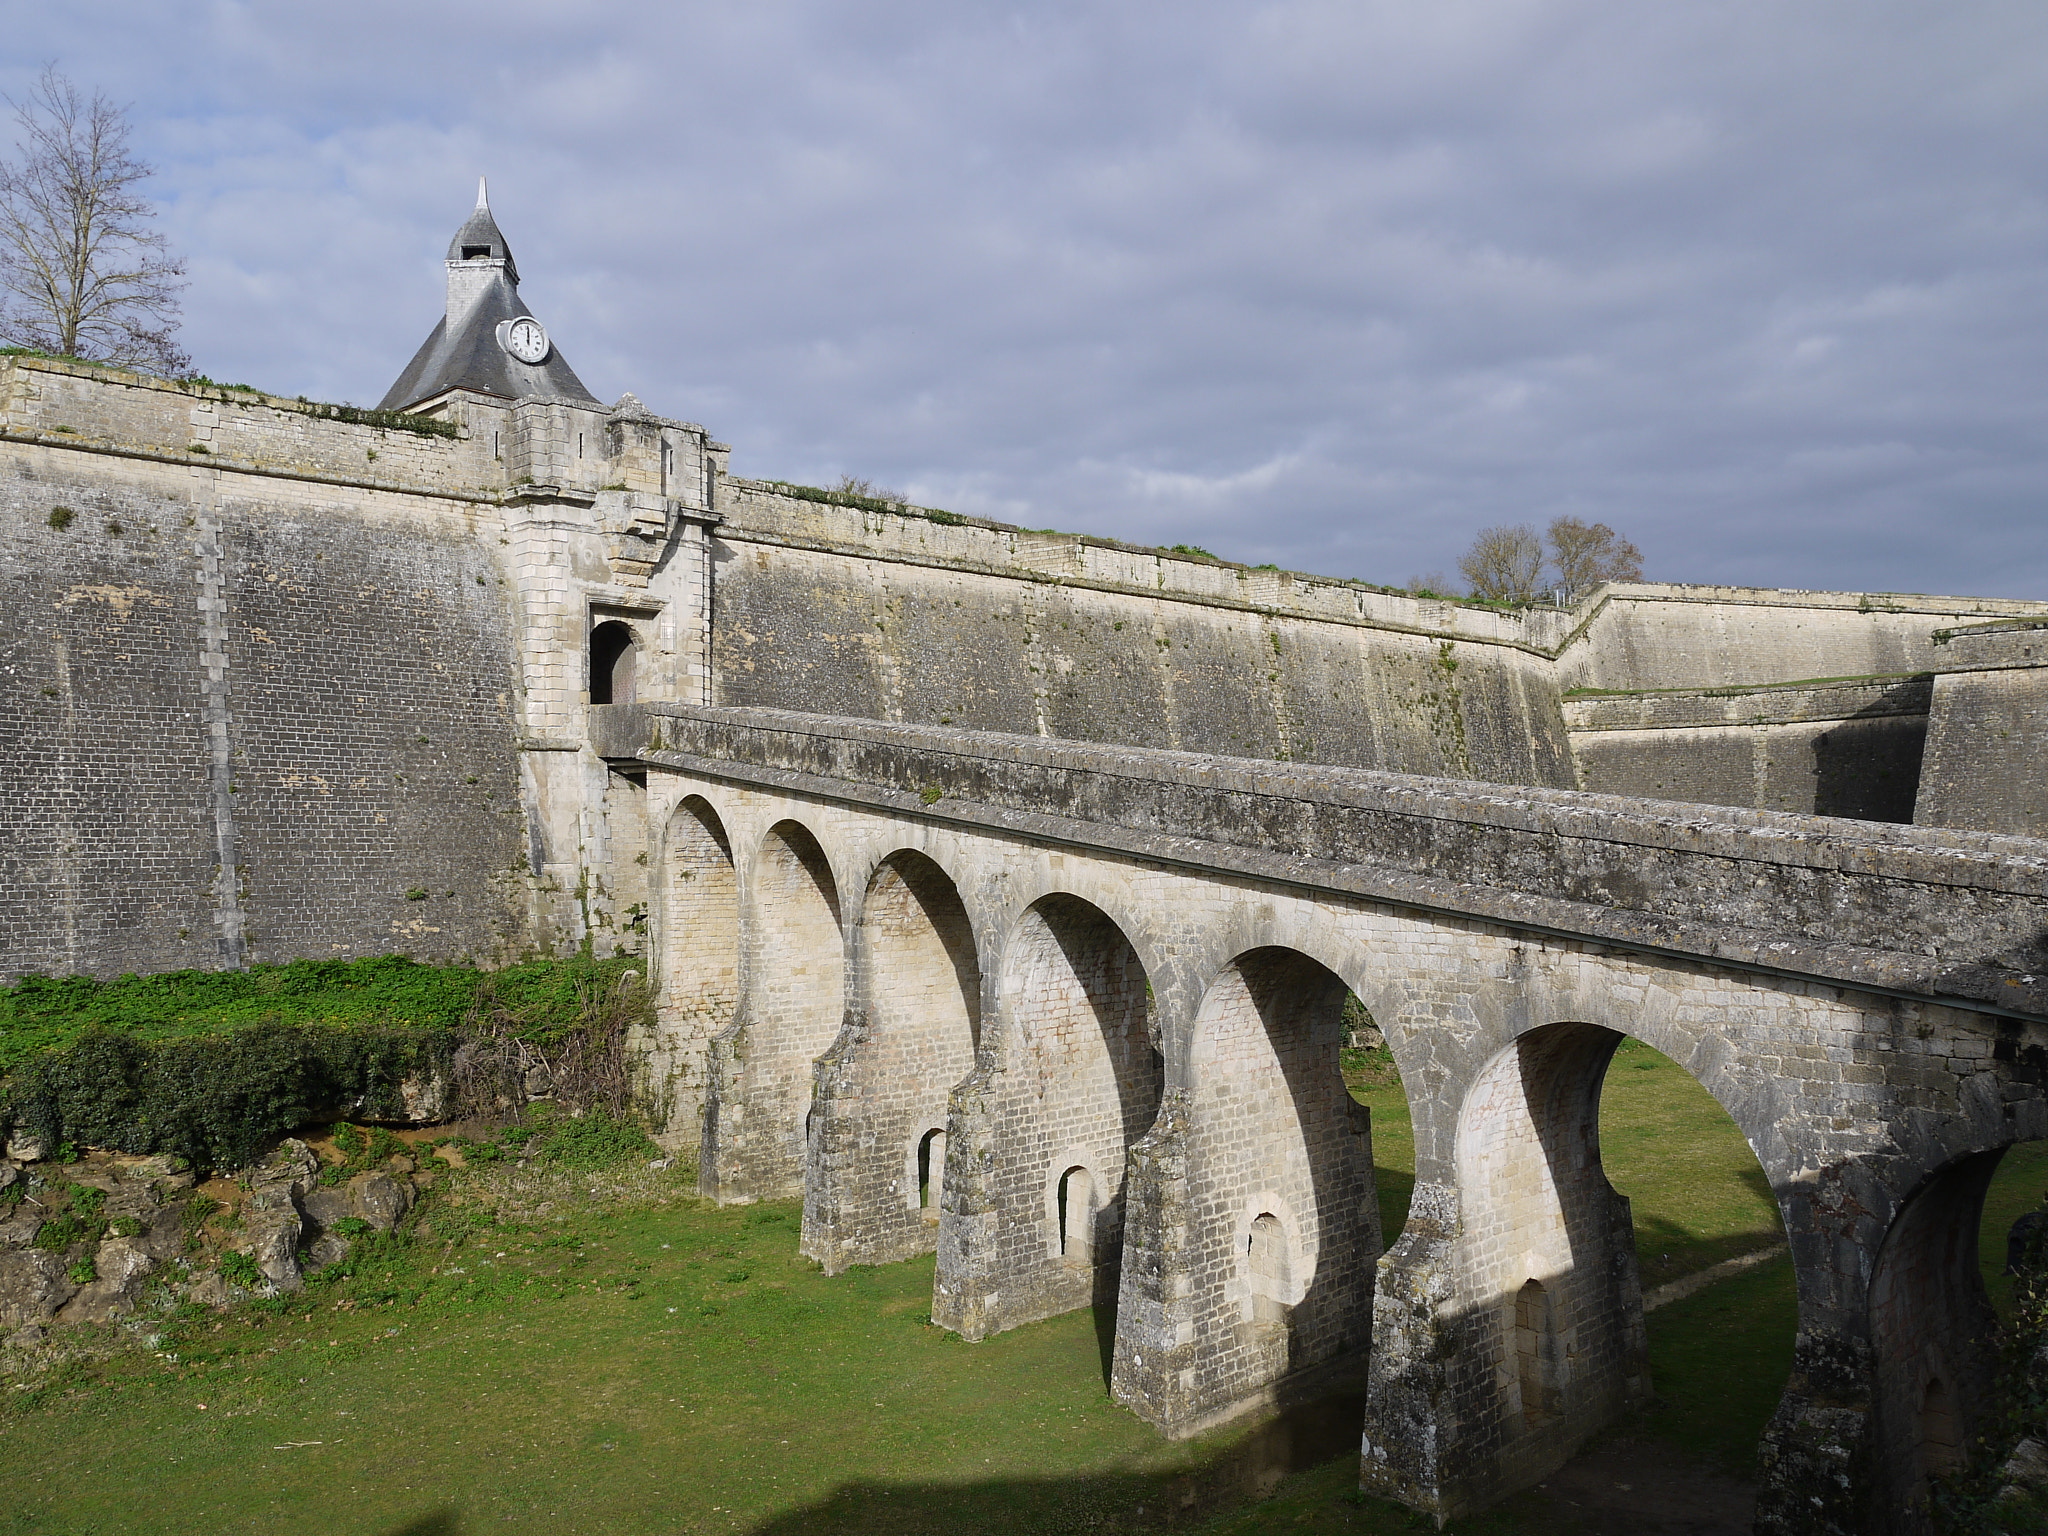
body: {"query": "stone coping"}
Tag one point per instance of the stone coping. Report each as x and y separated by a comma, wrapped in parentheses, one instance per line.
(1765, 704)
(1921, 912)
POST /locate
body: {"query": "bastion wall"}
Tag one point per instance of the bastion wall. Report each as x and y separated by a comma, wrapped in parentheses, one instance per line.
(244, 724)
(295, 680)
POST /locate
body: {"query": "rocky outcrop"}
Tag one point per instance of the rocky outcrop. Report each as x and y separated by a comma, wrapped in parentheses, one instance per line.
(271, 1220)
(376, 1199)
(123, 1268)
(131, 1225)
(33, 1286)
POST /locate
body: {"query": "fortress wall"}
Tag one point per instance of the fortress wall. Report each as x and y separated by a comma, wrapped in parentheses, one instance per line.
(1848, 749)
(106, 825)
(942, 624)
(248, 664)
(764, 514)
(1987, 732)
(1720, 637)
(92, 406)
(371, 678)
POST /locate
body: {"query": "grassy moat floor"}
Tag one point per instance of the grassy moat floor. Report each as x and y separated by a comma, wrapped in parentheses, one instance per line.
(637, 1361)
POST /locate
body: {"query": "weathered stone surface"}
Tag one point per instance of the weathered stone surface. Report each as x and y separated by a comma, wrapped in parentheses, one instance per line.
(212, 1290)
(123, 1268)
(33, 1286)
(425, 1098)
(376, 1198)
(150, 1170)
(270, 1216)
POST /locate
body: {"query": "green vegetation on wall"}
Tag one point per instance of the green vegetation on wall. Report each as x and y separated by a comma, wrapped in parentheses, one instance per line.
(210, 1065)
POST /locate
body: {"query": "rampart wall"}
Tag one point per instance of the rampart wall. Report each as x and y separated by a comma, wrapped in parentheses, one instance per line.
(244, 723)
(898, 618)
(221, 670)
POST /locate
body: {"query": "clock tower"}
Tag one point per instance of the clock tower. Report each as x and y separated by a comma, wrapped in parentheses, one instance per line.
(488, 340)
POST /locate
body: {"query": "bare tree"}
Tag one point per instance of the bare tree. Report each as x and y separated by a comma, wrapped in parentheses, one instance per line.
(1431, 584)
(1584, 555)
(83, 272)
(852, 485)
(1504, 564)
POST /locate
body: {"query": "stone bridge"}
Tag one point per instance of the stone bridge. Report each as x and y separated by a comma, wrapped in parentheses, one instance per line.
(1071, 1014)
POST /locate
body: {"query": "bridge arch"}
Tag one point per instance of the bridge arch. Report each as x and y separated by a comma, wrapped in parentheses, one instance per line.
(1279, 1163)
(1546, 1249)
(1356, 946)
(791, 1006)
(1067, 1080)
(1933, 1342)
(699, 959)
(1136, 914)
(913, 1020)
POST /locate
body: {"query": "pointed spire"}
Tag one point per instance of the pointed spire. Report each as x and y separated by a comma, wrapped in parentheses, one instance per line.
(483, 198)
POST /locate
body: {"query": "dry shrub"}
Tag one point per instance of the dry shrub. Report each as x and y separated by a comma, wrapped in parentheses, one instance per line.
(510, 1054)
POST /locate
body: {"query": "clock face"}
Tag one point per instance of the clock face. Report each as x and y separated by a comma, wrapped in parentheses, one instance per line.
(524, 339)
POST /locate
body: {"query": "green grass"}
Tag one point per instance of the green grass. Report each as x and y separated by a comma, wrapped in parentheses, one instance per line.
(673, 1368)
(40, 1014)
(2017, 1187)
(1696, 1192)
(668, 1366)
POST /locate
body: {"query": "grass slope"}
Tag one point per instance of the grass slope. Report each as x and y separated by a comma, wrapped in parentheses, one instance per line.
(665, 1366)
(39, 1014)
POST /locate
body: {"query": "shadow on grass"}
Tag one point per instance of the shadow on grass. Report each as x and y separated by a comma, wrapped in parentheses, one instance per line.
(436, 1522)
(1108, 1279)
(1313, 1435)
(1396, 1190)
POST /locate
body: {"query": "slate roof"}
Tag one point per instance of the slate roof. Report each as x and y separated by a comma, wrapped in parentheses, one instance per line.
(469, 356)
(479, 232)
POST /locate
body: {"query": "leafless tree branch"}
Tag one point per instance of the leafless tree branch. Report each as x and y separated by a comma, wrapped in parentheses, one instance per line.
(83, 272)
(1587, 554)
(1504, 564)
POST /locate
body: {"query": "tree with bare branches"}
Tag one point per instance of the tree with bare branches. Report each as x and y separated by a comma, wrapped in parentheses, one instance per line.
(1504, 564)
(1585, 554)
(1511, 564)
(83, 271)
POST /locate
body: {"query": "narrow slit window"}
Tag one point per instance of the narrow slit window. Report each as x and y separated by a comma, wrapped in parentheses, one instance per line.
(1076, 1206)
(931, 1169)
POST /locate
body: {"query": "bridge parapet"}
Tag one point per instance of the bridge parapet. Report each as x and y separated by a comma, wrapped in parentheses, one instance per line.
(1922, 912)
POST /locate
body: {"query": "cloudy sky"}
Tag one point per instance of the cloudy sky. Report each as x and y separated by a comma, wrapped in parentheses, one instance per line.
(1763, 285)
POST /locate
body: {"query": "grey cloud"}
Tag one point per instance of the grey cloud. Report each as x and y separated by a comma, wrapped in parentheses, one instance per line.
(1329, 285)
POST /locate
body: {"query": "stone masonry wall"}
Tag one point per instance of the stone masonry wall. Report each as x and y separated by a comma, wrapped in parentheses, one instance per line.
(882, 1087)
(1987, 732)
(76, 406)
(793, 1006)
(1538, 1211)
(1654, 637)
(699, 961)
(1079, 1083)
(247, 729)
(814, 618)
(1845, 749)
(1283, 1219)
